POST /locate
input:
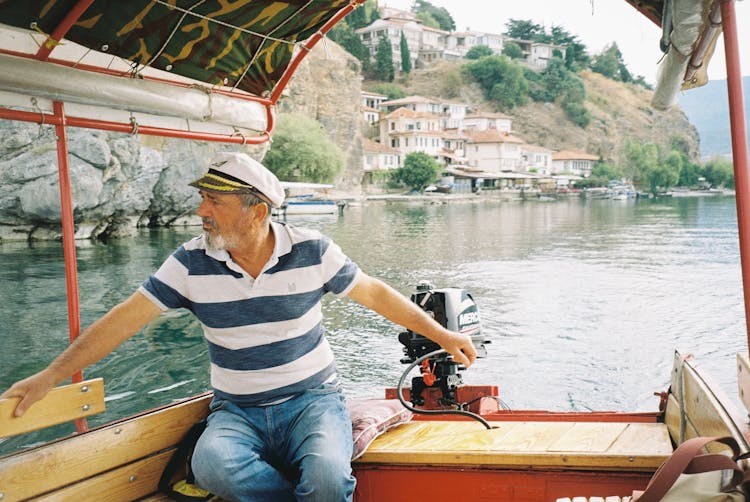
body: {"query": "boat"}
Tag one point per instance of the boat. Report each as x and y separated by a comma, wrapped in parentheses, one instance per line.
(456, 442)
(622, 191)
(308, 204)
(596, 193)
(300, 201)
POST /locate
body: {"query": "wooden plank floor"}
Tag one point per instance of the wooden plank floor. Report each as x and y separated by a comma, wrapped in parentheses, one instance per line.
(571, 445)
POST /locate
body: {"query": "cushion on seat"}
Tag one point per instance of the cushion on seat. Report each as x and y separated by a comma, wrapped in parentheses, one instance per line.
(371, 418)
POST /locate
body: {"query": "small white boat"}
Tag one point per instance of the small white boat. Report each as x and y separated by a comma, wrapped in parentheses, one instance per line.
(308, 198)
(309, 204)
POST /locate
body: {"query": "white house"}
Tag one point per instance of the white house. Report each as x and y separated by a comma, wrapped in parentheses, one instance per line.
(451, 113)
(379, 157)
(370, 106)
(485, 121)
(414, 103)
(392, 28)
(463, 41)
(372, 99)
(536, 54)
(572, 162)
(536, 158)
(409, 131)
(491, 40)
(454, 148)
(493, 151)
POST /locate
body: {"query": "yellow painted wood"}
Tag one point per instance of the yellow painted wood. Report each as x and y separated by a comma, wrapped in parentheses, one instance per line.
(581, 445)
(697, 407)
(588, 437)
(743, 379)
(130, 482)
(644, 438)
(61, 404)
(705, 413)
(50, 467)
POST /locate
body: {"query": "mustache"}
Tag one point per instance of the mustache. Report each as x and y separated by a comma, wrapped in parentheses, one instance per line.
(209, 221)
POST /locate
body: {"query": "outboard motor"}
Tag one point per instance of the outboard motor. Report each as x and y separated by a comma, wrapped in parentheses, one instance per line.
(455, 310)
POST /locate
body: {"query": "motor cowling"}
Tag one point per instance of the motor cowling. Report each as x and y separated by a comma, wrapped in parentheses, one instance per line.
(456, 310)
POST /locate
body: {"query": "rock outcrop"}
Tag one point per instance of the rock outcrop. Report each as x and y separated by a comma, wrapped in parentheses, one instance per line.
(122, 181)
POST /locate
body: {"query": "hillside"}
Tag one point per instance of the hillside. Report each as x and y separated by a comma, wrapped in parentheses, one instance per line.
(620, 113)
(707, 107)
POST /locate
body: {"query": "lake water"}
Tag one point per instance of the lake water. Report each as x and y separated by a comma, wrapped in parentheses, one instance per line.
(584, 301)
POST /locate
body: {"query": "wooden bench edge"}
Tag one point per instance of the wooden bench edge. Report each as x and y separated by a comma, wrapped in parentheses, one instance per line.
(62, 404)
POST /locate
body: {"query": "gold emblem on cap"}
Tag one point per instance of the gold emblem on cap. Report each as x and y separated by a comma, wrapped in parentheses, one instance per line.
(232, 184)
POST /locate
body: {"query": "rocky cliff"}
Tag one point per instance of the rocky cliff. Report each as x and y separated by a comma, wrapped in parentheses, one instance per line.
(123, 181)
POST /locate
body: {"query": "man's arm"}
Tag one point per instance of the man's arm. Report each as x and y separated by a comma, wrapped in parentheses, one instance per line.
(386, 301)
(98, 340)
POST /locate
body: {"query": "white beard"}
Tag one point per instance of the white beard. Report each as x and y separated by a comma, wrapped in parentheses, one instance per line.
(215, 242)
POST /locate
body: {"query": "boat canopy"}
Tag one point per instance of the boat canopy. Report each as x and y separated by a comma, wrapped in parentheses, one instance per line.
(198, 66)
(690, 29)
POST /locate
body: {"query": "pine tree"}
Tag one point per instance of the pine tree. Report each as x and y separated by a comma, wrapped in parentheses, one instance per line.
(384, 60)
(405, 55)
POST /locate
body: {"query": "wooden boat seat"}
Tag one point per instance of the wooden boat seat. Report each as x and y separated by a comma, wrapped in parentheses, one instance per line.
(61, 404)
(120, 461)
(612, 446)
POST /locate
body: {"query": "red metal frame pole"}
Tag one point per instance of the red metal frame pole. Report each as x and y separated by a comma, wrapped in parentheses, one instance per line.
(305, 49)
(62, 29)
(739, 146)
(69, 243)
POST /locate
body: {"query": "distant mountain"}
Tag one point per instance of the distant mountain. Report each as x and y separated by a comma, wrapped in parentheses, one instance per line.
(707, 109)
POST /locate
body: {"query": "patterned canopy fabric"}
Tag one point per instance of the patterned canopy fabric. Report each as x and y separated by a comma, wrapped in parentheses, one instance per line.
(243, 44)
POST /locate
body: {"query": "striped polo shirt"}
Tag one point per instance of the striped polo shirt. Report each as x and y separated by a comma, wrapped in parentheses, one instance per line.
(266, 339)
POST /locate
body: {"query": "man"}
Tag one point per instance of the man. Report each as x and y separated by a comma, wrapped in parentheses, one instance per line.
(279, 428)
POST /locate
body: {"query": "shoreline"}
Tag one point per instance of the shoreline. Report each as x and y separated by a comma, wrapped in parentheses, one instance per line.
(128, 226)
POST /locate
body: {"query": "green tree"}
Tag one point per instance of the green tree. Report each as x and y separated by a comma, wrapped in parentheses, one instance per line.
(719, 172)
(651, 169)
(526, 30)
(440, 14)
(601, 174)
(573, 97)
(478, 51)
(419, 170)
(363, 15)
(551, 82)
(689, 171)
(428, 20)
(512, 50)
(451, 83)
(301, 151)
(344, 35)
(384, 60)
(610, 64)
(576, 57)
(405, 54)
(393, 91)
(502, 80)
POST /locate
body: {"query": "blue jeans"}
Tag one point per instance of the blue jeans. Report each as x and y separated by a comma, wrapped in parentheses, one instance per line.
(296, 450)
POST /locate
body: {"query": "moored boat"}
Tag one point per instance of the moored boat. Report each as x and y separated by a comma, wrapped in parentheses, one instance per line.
(524, 455)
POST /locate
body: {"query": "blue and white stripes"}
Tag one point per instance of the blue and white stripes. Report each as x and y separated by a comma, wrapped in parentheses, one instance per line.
(265, 336)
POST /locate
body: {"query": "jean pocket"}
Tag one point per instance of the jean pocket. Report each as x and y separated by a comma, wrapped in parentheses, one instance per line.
(217, 404)
(331, 387)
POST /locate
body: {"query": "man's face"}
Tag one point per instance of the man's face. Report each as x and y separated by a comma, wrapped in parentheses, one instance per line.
(225, 220)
